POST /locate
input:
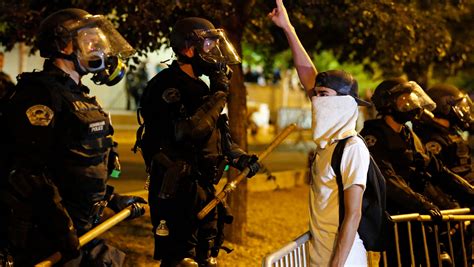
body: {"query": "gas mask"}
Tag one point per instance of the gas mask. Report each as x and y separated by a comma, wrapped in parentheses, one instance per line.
(213, 52)
(114, 71)
(411, 103)
(99, 49)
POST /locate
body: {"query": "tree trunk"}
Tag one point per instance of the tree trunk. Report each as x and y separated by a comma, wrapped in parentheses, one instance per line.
(237, 106)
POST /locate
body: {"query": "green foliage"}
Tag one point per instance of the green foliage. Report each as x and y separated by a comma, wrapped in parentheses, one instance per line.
(402, 37)
(327, 61)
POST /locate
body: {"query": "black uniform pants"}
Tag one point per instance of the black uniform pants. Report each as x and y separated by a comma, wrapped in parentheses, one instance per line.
(188, 236)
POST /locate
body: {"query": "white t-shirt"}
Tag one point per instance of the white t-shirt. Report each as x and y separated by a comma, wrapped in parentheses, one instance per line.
(324, 200)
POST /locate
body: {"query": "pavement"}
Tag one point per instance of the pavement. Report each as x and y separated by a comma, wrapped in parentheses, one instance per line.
(286, 165)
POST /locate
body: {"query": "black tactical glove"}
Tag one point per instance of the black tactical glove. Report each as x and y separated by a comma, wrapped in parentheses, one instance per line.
(433, 211)
(69, 246)
(119, 202)
(436, 216)
(219, 81)
(247, 161)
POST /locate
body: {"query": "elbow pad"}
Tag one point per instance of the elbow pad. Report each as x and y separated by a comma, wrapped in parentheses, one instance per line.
(204, 120)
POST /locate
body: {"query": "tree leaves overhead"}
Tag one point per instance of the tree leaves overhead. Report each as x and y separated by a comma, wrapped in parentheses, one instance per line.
(400, 36)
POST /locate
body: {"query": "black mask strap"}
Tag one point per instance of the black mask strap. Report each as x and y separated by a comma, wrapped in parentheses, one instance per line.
(72, 57)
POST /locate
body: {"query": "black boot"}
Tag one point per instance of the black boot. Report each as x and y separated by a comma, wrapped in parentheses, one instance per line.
(209, 262)
(203, 254)
(185, 262)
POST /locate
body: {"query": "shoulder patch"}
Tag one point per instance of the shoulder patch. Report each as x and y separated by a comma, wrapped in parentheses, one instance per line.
(433, 147)
(370, 140)
(171, 95)
(39, 115)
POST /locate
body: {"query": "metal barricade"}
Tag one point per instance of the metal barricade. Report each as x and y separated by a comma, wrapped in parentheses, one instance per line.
(456, 216)
(293, 254)
(296, 254)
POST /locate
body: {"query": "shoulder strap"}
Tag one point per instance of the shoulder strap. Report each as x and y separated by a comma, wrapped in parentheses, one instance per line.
(336, 166)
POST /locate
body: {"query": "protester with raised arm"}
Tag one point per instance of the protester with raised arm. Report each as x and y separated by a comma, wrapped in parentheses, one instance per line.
(334, 97)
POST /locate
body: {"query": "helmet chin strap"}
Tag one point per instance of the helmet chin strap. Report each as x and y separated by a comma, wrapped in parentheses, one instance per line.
(73, 58)
(200, 66)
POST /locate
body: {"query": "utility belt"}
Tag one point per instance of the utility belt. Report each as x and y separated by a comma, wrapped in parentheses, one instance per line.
(212, 168)
(179, 173)
(176, 174)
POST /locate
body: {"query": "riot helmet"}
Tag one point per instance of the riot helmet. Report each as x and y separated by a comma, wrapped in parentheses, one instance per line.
(212, 49)
(98, 47)
(403, 100)
(453, 104)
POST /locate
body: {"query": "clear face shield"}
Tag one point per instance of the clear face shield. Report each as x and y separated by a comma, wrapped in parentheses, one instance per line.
(100, 49)
(412, 103)
(411, 97)
(215, 47)
(463, 109)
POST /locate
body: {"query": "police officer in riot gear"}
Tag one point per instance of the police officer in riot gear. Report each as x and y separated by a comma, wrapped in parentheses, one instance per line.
(411, 173)
(60, 142)
(454, 114)
(442, 137)
(187, 144)
(397, 102)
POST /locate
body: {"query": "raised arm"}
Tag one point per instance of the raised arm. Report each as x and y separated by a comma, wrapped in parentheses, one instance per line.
(304, 66)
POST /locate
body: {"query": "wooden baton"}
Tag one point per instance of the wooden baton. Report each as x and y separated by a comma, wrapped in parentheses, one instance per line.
(89, 236)
(229, 187)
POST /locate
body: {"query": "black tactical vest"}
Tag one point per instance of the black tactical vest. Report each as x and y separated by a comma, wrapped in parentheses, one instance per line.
(83, 132)
(448, 146)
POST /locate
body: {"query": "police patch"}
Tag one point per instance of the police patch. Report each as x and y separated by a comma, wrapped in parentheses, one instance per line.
(96, 127)
(171, 95)
(433, 147)
(370, 140)
(39, 115)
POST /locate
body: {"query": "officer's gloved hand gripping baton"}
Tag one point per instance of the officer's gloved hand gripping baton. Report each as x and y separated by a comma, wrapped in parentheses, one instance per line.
(229, 187)
(89, 236)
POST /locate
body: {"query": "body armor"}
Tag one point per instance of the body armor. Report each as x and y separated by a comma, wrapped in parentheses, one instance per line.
(59, 143)
(449, 147)
(186, 145)
(402, 156)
